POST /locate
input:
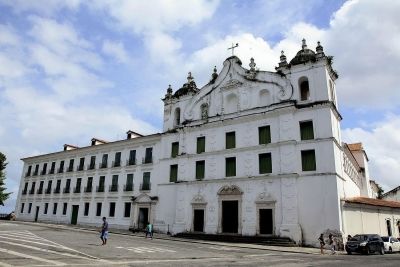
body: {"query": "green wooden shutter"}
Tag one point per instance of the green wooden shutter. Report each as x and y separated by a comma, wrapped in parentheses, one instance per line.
(265, 163)
(306, 130)
(173, 173)
(230, 140)
(129, 179)
(174, 149)
(230, 167)
(264, 135)
(308, 160)
(146, 181)
(200, 166)
(201, 144)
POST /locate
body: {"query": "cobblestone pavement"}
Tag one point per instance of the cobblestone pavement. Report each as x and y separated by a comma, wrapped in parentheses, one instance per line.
(36, 244)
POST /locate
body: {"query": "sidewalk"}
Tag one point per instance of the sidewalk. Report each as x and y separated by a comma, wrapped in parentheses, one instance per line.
(301, 250)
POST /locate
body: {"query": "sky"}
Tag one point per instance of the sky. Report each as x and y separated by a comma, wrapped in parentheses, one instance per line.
(77, 69)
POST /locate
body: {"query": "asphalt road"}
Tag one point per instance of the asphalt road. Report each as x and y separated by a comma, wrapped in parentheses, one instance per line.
(42, 245)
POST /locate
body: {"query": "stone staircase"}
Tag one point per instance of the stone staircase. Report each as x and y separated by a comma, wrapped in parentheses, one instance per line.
(260, 240)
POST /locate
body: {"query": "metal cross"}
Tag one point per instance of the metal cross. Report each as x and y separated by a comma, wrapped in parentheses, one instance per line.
(233, 47)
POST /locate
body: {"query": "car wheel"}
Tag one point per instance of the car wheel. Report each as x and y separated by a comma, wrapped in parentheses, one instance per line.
(382, 252)
(390, 250)
(348, 252)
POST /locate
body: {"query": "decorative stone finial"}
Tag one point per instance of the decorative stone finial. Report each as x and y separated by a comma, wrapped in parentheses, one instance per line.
(169, 90)
(304, 45)
(252, 65)
(190, 77)
(283, 57)
(320, 50)
(214, 76)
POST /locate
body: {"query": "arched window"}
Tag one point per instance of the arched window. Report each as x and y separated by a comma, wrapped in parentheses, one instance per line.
(264, 98)
(304, 89)
(177, 117)
(204, 111)
(232, 102)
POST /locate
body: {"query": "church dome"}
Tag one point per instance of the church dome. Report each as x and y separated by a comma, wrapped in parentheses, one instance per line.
(304, 55)
(188, 87)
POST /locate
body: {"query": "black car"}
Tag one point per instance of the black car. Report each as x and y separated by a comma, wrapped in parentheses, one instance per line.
(365, 244)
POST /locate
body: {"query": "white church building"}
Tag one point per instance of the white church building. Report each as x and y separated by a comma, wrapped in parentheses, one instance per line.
(251, 153)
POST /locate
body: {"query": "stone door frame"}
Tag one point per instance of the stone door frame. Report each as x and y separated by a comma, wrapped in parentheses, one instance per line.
(230, 193)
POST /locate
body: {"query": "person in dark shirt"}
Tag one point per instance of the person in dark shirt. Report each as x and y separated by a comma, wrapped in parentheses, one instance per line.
(104, 231)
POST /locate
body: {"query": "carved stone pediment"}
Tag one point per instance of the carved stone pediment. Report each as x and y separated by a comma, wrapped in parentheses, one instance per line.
(230, 190)
(233, 83)
(144, 198)
(265, 198)
(198, 199)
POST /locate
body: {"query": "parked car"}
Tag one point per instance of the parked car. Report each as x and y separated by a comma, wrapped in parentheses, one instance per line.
(392, 244)
(365, 244)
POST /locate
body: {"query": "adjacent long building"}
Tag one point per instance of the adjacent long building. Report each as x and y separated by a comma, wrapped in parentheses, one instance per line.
(250, 153)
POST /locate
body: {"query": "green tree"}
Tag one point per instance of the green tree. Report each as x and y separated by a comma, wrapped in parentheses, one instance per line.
(3, 195)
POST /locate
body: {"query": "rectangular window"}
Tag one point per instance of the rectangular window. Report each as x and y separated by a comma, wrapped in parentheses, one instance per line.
(30, 208)
(58, 187)
(29, 171)
(44, 169)
(78, 185)
(173, 173)
(127, 211)
(201, 144)
(92, 162)
(146, 181)
(61, 169)
(86, 211)
(129, 182)
(22, 207)
(112, 209)
(104, 161)
(308, 160)
(81, 164)
(200, 166)
(53, 167)
(25, 189)
(114, 183)
(89, 184)
(265, 163)
(100, 188)
(98, 209)
(36, 170)
(230, 167)
(67, 186)
(49, 184)
(132, 157)
(117, 159)
(65, 206)
(174, 149)
(71, 165)
(32, 191)
(41, 185)
(306, 130)
(264, 135)
(46, 207)
(54, 208)
(149, 155)
(230, 140)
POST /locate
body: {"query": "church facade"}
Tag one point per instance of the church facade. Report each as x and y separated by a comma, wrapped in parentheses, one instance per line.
(250, 153)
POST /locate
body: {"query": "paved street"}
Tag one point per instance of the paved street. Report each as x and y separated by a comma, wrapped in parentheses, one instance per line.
(43, 245)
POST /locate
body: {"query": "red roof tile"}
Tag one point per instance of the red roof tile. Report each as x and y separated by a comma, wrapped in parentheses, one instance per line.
(373, 202)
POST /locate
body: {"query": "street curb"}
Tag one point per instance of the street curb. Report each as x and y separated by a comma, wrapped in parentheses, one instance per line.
(176, 239)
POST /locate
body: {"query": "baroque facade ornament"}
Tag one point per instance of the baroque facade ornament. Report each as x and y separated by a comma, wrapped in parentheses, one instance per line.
(230, 190)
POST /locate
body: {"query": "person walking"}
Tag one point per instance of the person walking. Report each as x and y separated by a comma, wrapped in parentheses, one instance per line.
(321, 243)
(104, 232)
(332, 243)
(149, 230)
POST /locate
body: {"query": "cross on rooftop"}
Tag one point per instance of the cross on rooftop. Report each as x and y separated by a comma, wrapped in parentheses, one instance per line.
(233, 47)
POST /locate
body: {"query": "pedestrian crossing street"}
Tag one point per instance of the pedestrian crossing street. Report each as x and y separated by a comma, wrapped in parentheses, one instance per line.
(141, 250)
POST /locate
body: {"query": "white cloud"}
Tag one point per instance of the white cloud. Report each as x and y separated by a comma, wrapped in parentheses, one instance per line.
(382, 144)
(43, 7)
(115, 50)
(156, 15)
